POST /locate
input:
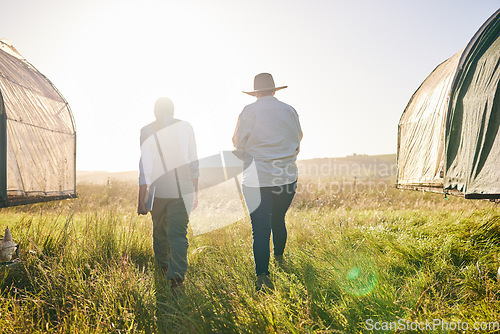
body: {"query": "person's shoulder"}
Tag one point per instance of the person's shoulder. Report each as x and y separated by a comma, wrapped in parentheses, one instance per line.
(181, 123)
(286, 106)
(148, 130)
(250, 108)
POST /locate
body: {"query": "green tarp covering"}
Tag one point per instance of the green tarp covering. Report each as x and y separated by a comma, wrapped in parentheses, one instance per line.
(473, 140)
(422, 128)
(448, 135)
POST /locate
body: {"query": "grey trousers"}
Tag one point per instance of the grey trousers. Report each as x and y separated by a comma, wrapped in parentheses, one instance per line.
(170, 243)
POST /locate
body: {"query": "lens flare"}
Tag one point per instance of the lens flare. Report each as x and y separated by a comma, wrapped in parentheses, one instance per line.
(357, 276)
(360, 281)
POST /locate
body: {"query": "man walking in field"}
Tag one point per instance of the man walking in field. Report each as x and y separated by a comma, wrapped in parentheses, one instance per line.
(169, 170)
(267, 139)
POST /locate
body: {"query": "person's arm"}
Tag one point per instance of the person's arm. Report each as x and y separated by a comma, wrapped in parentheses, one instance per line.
(298, 124)
(141, 206)
(145, 169)
(236, 135)
(240, 137)
(300, 128)
(194, 165)
(195, 185)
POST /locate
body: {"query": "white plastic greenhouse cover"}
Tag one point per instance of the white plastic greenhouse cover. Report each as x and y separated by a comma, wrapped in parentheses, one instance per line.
(37, 135)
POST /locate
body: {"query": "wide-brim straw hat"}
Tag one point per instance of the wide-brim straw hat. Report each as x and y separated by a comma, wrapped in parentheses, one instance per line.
(263, 82)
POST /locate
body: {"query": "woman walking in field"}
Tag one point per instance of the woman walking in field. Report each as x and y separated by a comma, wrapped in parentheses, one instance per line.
(267, 139)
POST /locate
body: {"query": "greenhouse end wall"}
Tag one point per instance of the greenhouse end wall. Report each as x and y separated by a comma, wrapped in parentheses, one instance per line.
(38, 137)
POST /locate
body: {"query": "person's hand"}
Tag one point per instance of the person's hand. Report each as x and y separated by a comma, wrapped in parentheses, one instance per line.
(195, 202)
(141, 203)
(141, 209)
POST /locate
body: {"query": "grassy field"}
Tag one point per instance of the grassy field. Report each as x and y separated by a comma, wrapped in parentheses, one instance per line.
(359, 257)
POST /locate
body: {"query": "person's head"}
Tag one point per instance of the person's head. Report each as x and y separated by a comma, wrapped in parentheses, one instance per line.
(164, 107)
(263, 85)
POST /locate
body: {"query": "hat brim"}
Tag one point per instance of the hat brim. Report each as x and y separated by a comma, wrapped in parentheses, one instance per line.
(254, 92)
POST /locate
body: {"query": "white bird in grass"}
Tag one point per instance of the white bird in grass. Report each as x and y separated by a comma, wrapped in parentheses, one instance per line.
(7, 247)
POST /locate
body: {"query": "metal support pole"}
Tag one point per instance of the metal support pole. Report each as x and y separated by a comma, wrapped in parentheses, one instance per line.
(3, 153)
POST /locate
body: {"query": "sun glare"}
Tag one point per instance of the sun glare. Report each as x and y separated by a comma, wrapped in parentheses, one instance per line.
(141, 52)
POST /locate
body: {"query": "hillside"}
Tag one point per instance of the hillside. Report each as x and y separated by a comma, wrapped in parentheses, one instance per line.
(355, 166)
(103, 177)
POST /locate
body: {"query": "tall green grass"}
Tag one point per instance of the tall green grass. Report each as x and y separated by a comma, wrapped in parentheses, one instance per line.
(384, 254)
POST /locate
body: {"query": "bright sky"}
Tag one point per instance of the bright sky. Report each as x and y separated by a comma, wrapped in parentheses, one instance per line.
(351, 66)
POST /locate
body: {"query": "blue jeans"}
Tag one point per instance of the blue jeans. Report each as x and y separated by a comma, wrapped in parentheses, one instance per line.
(268, 207)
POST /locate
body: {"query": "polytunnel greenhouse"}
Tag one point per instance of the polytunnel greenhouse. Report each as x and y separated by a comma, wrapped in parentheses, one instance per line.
(448, 136)
(37, 135)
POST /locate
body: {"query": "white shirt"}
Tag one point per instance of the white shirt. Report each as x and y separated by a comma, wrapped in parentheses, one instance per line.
(267, 139)
(178, 147)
